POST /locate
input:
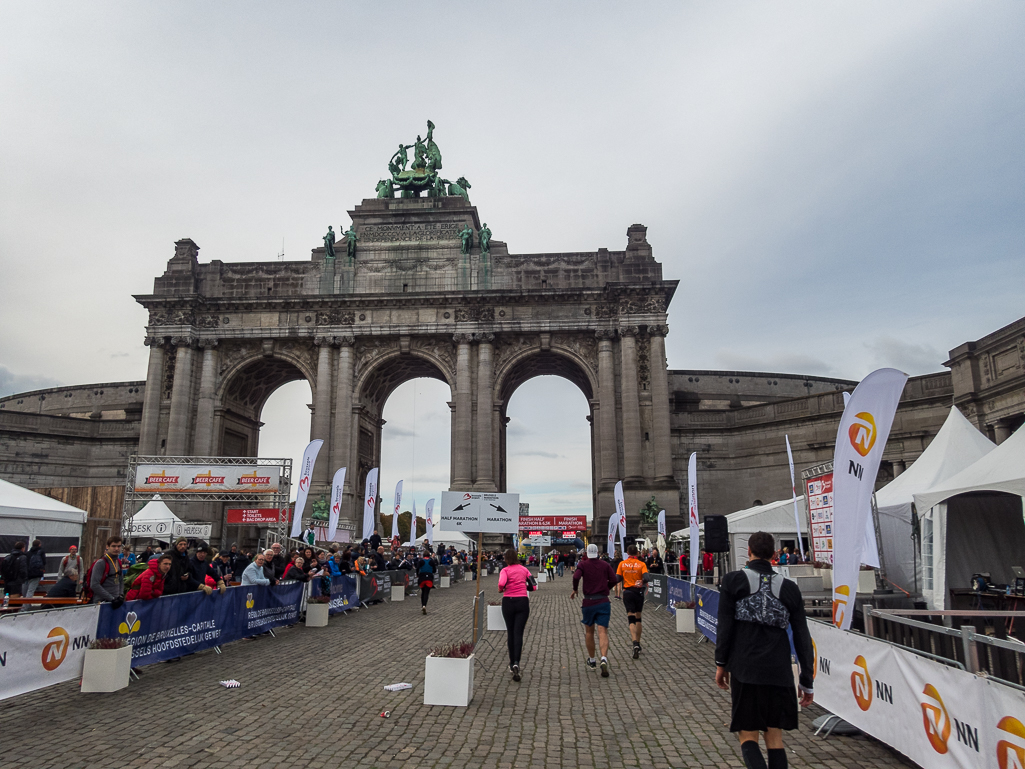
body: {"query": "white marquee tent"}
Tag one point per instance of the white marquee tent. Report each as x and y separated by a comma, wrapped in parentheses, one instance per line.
(777, 518)
(446, 538)
(26, 514)
(154, 521)
(972, 522)
(957, 445)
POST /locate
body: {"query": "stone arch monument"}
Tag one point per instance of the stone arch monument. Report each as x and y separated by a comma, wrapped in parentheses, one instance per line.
(416, 288)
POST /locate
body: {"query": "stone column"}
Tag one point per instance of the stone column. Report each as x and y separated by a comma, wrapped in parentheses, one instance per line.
(341, 435)
(321, 426)
(204, 442)
(1001, 432)
(462, 435)
(485, 412)
(631, 403)
(660, 411)
(607, 406)
(151, 399)
(181, 398)
(899, 467)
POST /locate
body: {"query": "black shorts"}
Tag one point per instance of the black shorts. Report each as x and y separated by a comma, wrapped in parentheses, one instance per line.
(757, 707)
(633, 600)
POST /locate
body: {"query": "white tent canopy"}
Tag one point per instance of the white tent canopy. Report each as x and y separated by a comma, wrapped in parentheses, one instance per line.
(777, 518)
(446, 538)
(24, 513)
(154, 521)
(1001, 469)
(956, 446)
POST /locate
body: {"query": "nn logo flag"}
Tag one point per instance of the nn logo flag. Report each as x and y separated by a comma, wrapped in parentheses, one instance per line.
(305, 479)
(395, 512)
(860, 441)
(692, 507)
(337, 484)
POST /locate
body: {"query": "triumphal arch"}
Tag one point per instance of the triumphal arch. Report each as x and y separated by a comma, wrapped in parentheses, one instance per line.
(416, 287)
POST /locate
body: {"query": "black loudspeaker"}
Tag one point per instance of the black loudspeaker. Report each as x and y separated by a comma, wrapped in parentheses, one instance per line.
(717, 534)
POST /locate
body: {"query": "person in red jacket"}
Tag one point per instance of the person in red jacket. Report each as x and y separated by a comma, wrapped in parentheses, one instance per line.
(150, 584)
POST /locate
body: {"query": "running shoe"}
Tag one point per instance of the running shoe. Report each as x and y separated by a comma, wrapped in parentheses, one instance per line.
(637, 651)
(592, 664)
(516, 672)
(423, 609)
(604, 668)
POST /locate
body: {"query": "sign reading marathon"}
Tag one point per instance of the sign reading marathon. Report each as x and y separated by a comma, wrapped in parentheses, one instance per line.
(554, 522)
(213, 479)
(473, 511)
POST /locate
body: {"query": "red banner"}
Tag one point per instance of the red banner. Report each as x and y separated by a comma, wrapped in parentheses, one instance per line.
(553, 522)
(254, 515)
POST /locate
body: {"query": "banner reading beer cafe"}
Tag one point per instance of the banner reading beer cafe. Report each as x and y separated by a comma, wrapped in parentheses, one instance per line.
(213, 479)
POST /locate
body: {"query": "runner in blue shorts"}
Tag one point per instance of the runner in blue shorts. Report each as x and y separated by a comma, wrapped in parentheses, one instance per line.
(598, 578)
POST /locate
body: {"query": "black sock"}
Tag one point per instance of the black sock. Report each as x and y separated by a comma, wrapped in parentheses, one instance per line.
(752, 755)
(777, 758)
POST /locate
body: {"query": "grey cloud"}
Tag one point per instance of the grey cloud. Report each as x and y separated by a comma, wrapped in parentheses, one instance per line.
(908, 357)
(544, 454)
(11, 383)
(781, 362)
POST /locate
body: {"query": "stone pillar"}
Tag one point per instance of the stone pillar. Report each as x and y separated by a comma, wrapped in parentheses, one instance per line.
(321, 425)
(342, 433)
(631, 403)
(148, 442)
(660, 410)
(181, 398)
(607, 406)
(898, 467)
(462, 434)
(1001, 432)
(203, 446)
(485, 413)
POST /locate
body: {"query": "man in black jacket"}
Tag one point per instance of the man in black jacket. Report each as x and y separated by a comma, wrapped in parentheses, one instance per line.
(179, 579)
(15, 570)
(752, 653)
(375, 541)
(36, 566)
(200, 569)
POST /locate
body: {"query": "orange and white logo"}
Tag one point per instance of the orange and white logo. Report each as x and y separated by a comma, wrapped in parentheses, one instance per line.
(935, 719)
(814, 659)
(56, 649)
(162, 479)
(840, 604)
(208, 479)
(861, 683)
(863, 433)
(254, 480)
(1011, 752)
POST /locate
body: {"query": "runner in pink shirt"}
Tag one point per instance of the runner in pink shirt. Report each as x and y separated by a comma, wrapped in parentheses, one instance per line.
(514, 583)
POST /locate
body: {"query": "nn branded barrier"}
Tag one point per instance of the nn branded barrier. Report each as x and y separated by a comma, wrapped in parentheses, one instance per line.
(935, 714)
(42, 648)
(176, 625)
(706, 604)
(344, 593)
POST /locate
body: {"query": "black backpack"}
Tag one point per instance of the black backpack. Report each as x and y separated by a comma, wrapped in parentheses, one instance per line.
(763, 606)
(36, 564)
(8, 570)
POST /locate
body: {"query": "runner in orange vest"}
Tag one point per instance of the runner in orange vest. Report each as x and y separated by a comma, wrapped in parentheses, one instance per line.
(633, 574)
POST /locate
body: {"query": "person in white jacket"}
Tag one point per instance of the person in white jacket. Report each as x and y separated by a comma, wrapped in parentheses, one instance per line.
(253, 575)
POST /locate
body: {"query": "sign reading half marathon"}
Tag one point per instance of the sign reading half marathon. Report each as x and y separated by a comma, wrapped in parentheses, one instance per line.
(474, 511)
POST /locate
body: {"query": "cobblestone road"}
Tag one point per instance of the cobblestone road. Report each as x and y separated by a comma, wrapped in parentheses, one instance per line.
(312, 697)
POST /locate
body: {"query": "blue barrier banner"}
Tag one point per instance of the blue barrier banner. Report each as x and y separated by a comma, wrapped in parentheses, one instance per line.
(679, 591)
(344, 593)
(706, 616)
(176, 625)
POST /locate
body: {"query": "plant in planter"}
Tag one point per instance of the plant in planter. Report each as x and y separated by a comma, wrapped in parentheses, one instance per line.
(685, 616)
(448, 678)
(496, 621)
(318, 609)
(107, 666)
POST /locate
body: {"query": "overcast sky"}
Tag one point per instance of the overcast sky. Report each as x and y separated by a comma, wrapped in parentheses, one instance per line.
(837, 186)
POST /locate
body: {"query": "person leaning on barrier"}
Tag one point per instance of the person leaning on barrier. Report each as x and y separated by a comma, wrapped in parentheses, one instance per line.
(269, 570)
(294, 571)
(277, 560)
(179, 579)
(254, 572)
(150, 584)
(202, 572)
(752, 653)
(222, 567)
(66, 586)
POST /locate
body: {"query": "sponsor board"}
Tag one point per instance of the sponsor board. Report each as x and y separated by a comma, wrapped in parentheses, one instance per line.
(213, 479)
(937, 715)
(43, 648)
(344, 593)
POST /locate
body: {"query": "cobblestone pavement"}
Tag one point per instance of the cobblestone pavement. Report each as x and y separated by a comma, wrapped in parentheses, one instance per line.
(312, 697)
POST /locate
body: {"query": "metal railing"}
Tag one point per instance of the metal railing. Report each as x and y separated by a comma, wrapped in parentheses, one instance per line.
(946, 635)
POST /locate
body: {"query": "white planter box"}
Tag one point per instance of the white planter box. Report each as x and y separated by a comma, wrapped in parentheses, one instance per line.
(495, 619)
(446, 582)
(467, 577)
(448, 681)
(106, 670)
(685, 621)
(542, 576)
(827, 578)
(317, 614)
(398, 593)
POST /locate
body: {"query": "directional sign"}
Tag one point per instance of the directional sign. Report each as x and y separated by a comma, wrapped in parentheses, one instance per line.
(539, 541)
(474, 511)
